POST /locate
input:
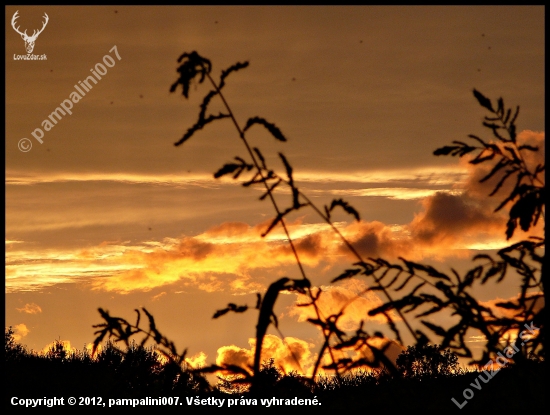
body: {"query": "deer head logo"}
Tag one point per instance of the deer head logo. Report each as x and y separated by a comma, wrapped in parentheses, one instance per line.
(29, 40)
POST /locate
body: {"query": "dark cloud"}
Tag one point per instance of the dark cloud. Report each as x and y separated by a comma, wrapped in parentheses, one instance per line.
(448, 216)
(197, 250)
(310, 245)
(374, 239)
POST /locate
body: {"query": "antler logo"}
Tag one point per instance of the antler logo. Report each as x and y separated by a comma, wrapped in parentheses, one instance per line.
(29, 40)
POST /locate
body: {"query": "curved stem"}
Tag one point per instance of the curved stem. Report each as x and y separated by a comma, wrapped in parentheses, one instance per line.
(277, 210)
(358, 256)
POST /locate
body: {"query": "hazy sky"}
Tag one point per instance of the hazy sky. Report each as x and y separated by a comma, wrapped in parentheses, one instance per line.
(107, 212)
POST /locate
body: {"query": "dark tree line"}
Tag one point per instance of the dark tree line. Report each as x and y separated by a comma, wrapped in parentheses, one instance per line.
(136, 371)
(428, 378)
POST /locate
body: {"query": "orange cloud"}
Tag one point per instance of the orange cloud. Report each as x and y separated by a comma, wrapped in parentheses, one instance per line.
(397, 193)
(215, 260)
(20, 331)
(9, 243)
(433, 175)
(477, 193)
(234, 355)
(177, 180)
(290, 354)
(451, 221)
(158, 296)
(197, 361)
(31, 308)
(350, 296)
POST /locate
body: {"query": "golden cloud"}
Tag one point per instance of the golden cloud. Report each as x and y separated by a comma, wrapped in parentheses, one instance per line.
(397, 193)
(215, 260)
(350, 296)
(20, 331)
(289, 354)
(236, 356)
(197, 361)
(375, 239)
(434, 175)
(31, 308)
(178, 180)
(158, 296)
(431, 174)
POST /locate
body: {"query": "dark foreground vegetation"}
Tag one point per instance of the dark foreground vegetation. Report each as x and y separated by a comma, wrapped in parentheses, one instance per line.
(138, 373)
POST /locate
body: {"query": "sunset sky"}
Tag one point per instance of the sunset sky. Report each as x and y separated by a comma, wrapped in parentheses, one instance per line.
(107, 212)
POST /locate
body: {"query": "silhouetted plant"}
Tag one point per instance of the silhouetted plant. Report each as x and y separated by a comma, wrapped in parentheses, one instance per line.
(135, 372)
(350, 380)
(122, 331)
(193, 66)
(440, 292)
(427, 361)
(12, 349)
(293, 385)
(527, 196)
(270, 374)
(58, 352)
(267, 379)
(433, 292)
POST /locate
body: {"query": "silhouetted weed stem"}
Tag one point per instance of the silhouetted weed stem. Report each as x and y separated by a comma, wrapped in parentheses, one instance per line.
(257, 358)
(326, 343)
(359, 258)
(123, 330)
(194, 65)
(269, 192)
